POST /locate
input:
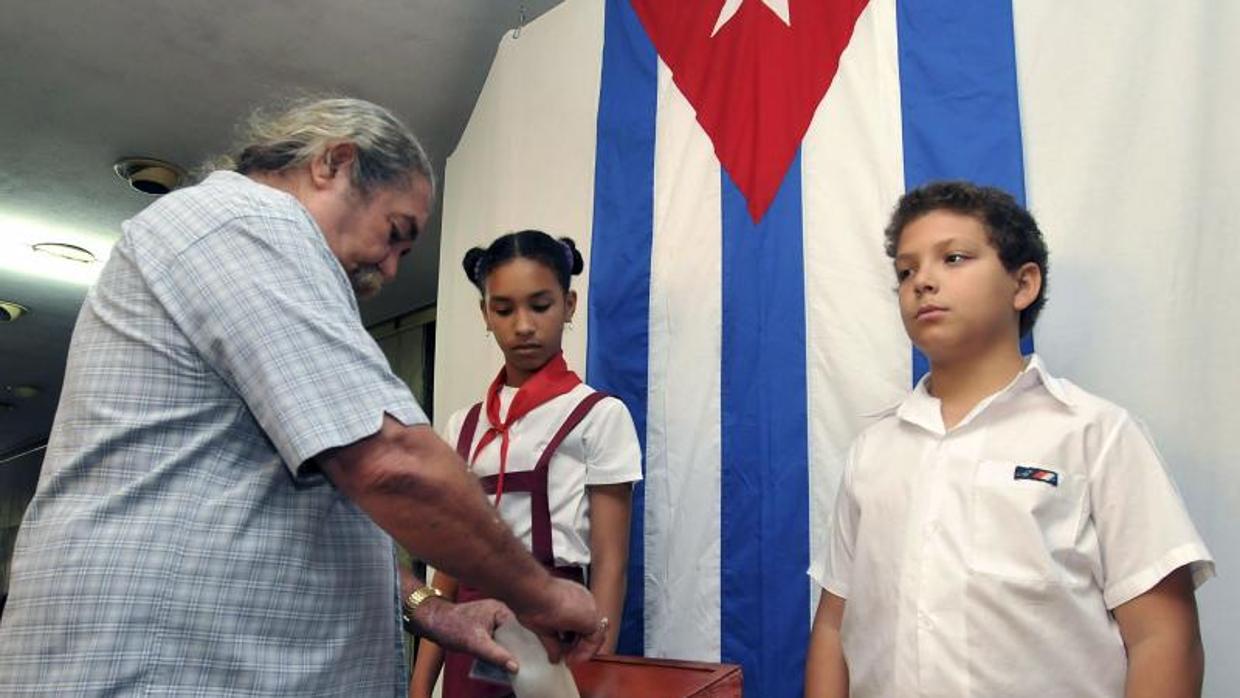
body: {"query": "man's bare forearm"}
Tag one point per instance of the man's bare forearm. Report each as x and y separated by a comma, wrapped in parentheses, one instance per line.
(416, 488)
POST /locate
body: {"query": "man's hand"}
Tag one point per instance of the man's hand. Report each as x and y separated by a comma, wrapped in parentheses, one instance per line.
(466, 627)
(567, 621)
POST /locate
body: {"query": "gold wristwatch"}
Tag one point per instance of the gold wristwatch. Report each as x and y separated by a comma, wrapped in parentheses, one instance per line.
(416, 598)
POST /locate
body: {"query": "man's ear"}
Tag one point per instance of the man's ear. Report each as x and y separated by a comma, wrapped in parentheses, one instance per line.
(1028, 285)
(335, 161)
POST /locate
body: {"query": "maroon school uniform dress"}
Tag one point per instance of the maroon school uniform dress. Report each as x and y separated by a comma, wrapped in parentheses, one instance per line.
(553, 380)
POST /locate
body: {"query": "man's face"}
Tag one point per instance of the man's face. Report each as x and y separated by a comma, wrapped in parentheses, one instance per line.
(956, 298)
(369, 234)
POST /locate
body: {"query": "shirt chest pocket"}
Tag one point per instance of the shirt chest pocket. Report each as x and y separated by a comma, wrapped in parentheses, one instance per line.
(1023, 519)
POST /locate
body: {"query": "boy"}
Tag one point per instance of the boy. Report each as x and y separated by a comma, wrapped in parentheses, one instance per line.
(1000, 533)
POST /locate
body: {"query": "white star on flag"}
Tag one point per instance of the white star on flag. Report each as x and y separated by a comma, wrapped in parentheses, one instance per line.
(779, 7)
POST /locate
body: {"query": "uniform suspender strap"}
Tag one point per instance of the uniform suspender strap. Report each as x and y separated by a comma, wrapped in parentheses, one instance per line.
(574, 418)
(466, 438)
(540, 506)
(457, 665)
(521, 481)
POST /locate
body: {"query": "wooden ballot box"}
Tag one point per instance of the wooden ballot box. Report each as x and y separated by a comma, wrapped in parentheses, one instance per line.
(638, 677)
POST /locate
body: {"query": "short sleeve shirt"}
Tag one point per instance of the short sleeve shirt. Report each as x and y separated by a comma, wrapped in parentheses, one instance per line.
(181, 540)
(602, 450)
(984, 561)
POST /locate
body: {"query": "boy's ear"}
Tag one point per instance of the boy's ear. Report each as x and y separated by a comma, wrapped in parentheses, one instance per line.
(1028, 285)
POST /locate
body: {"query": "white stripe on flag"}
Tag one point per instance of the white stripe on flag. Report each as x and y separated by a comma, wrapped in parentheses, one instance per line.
(858, 358)
(682, 502)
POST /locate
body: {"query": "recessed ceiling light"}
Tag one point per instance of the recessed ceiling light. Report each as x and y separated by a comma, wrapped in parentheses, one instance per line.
(64, 250)
(10, 311)
(150, 176)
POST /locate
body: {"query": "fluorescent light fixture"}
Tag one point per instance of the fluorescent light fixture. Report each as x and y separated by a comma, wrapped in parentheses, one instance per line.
(47, 251)
(73, 253)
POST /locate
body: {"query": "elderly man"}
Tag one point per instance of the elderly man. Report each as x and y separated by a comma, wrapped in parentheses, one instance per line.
(231, 447)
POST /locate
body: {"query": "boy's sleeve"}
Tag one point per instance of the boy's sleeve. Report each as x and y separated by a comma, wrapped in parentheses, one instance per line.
(1144, 531)
(835, 569)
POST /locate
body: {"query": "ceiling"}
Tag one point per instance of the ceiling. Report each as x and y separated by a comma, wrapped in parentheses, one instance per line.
(84, 83)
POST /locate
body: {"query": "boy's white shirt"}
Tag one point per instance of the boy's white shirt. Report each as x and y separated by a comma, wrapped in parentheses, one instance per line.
(962, 580)
(602, 450)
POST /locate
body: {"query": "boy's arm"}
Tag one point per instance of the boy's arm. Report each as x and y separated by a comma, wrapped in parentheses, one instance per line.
(826, 672)
(1163, 640)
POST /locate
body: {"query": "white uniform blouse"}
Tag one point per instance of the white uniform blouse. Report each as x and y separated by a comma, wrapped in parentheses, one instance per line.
(602, 450)
(984, 561)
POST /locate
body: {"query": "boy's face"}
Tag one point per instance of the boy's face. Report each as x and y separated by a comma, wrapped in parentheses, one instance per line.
(956, 298)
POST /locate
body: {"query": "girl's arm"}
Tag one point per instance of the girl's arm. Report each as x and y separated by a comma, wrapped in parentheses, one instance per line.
(429, 660)
(610, 507)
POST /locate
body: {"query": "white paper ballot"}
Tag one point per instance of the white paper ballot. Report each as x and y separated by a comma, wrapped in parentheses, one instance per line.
(537, 677)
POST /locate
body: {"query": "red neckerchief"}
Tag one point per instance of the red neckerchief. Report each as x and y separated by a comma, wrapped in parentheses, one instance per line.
(551, 381)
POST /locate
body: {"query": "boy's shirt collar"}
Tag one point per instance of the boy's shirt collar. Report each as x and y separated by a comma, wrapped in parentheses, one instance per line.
(924, 410)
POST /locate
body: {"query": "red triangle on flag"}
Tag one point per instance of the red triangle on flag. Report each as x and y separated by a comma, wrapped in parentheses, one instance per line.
(756, 83)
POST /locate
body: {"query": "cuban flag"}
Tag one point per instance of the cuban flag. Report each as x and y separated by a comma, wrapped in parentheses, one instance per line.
(728, 166)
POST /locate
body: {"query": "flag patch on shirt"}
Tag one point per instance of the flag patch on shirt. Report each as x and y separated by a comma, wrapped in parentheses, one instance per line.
(1024, 472)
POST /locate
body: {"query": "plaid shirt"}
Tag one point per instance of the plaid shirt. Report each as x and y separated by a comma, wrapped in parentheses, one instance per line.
(180, 542)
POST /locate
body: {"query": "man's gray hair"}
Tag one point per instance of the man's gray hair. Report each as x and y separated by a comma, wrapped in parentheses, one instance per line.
(387, 152)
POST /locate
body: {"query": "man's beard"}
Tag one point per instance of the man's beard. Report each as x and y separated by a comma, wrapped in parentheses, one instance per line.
(367, 280)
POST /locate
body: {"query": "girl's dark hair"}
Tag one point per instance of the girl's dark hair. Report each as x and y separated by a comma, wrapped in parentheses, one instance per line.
(560, 256)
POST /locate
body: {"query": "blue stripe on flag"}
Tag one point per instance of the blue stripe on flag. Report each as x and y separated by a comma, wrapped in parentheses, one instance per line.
(764, 516)
(618, 341)
(958, 95)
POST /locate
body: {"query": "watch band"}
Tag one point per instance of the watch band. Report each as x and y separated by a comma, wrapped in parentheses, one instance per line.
(416, 598)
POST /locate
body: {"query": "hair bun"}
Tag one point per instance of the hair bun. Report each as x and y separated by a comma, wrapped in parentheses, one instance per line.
(578, 262)
(472, 263)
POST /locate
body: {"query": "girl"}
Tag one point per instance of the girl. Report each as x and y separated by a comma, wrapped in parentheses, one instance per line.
(557, 458)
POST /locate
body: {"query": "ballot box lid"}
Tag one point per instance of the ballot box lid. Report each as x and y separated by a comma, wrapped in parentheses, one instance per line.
(628, 677)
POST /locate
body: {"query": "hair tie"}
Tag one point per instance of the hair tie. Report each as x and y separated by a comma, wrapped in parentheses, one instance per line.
(478, 269)
(568, 255)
